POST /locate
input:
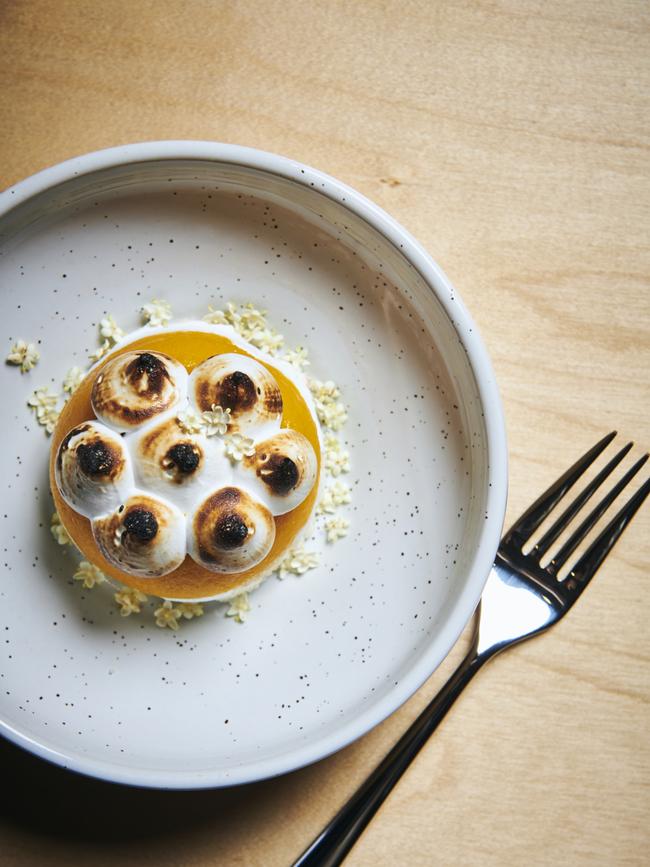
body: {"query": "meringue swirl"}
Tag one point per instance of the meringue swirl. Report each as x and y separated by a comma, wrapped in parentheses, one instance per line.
(230, 531)
(239, 384)
(134, 387)
(144, 536)
(281, 471)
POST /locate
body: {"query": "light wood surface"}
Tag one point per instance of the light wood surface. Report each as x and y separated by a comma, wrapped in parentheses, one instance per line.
(511, 138)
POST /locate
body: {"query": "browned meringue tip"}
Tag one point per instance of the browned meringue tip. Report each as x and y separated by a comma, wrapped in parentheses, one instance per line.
(135, 387)
(240, 384)
(144, 536)
(165, 450)
(92, 468)
(285, 468)
(230, 531)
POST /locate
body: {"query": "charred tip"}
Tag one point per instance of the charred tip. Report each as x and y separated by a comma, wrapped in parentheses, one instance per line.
(230, 531)
(141, 524)
(184, 457)
(96, 458)
(237, 392)
(147, 373)
(280, 474)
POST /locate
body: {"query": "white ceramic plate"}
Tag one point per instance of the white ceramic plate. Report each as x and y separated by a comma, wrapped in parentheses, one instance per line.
(322, 658)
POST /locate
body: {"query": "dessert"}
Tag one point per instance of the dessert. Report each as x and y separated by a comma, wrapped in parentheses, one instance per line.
(185, 467)
(188, 462)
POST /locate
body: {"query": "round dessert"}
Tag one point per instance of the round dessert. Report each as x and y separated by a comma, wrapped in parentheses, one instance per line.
(185, 466)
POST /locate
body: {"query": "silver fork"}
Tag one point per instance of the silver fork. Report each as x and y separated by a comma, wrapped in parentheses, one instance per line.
(521, 599)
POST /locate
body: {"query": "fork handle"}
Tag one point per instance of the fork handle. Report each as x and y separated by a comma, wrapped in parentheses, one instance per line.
(339, 836)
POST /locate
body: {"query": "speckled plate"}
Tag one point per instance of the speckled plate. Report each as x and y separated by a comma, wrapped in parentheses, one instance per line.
(322, 658)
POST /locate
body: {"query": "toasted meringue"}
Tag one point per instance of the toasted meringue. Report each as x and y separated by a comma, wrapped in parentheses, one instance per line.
(182, 467)
(239, 384)
(183, 488)
(136, 386)
(230, 531)
(144, 536)
(93, 469)
(281, 472)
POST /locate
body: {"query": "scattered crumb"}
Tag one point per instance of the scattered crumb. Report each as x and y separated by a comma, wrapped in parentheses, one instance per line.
(89, 574)
(23, 355)
(101, 351)
(250, 323)
(331, 412)
(297, 562)
(73, 379)
(190, 609)
(298, 358)
(239, 608)
(336, 528)
(44, 402)
(337, 459)
(130, 601)
(59, 531)
(167, 615)
(157, 312)
(109, 329)
(336, 495)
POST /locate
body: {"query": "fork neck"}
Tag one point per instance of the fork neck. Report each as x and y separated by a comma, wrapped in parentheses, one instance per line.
(512, 608)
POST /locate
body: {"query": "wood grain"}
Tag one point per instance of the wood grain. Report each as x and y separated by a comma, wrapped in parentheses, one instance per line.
(512, 139)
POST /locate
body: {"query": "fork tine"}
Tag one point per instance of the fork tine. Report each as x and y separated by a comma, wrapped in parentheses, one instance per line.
(581, 531)
(567, 515)
(588, 564)
(535, 514)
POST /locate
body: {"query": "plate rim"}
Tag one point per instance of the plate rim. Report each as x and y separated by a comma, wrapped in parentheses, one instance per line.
(496, 447)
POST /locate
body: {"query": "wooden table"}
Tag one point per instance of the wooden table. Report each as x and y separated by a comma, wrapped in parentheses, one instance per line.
(511, 138)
